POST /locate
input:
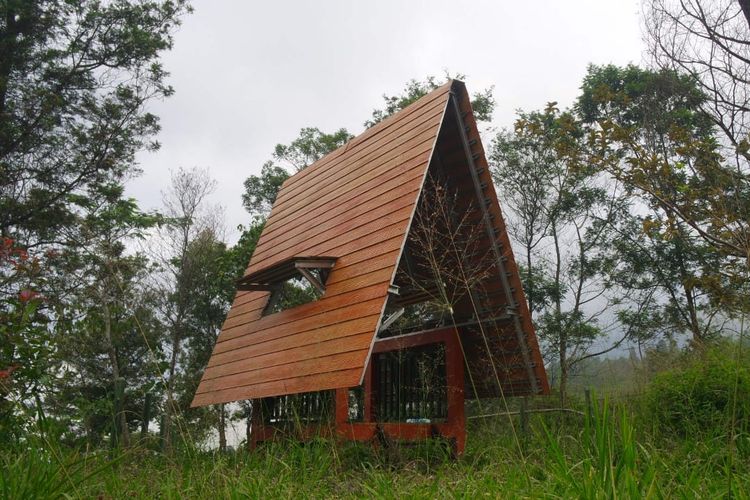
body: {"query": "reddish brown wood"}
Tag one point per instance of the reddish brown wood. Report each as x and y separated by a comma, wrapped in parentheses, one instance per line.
(405, 155)
(324, 211)
(414, 340)
(355, 205)
(354, 327)
(384, 191)
(239, 347)
(341, 402)
(453, 429)
(318, 170)
(504, 240)
(375, 263)
(346, 233)
(316, 314)
(344, 352)
(320, 381)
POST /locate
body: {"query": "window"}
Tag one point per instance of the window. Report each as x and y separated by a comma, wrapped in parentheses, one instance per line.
(291, 293)
(292, 282)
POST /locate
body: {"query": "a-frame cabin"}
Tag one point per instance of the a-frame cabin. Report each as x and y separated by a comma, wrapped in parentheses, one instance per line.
(414, 300)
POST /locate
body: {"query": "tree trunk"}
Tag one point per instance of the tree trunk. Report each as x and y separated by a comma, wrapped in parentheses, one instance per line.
(685, 278)
(563, 369)
(118, 383)
(694, 324)
(169, 410)
(745, 6)
(529, 280)
(563, 341)
(146, 418)
(248, 427)
(222, 428)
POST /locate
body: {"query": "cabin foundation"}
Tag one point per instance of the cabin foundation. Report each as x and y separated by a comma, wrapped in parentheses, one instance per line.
(388, 413)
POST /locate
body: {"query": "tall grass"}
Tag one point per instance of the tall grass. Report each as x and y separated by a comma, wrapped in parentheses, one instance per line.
(620, 448)
(609, 462)
(602, 456)
(38, 473)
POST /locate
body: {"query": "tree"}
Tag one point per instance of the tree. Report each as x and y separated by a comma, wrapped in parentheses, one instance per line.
(217, 270)
(108, 313)
(648, 130)
(185, 207)
(675, 267)
(524, 169)
(709, 41)
(309, 147)
(74, 80)
(261, 190)
(110, 347)
(211, 288)
(483, 102)
(25, 351)
(563, 217)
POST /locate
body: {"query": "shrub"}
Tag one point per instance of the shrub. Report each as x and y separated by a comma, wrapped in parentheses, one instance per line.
(705, 392)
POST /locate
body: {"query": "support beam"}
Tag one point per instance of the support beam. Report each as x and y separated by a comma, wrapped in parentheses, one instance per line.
(391, 319)
(314, 281)
(493, 241)
(273, 299)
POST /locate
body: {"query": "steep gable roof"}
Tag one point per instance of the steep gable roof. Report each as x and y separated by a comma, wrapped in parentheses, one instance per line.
(355, 207)
(354, 204)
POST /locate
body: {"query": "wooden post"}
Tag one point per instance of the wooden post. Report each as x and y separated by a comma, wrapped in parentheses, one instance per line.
(146, 417)
(256, 416)
(369, 396)
(524, 417)
(341, 412)
(454, 367)
(119, 395)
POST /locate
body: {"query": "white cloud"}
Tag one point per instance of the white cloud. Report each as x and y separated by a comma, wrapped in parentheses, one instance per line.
(249, 75)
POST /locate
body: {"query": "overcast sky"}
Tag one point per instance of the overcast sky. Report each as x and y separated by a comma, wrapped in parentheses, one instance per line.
(249, 75)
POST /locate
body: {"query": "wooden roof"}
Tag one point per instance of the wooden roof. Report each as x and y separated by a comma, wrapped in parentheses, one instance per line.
(355, 206)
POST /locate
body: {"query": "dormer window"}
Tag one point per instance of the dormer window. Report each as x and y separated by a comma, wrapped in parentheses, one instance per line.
(292, 282)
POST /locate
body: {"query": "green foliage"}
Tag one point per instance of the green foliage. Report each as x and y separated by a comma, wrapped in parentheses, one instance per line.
(47, 474)
(107, 328)
(483, 102)
(310, 146)
(74, 78)
(680, 269)
(610, 463)
(650, 102)
(707, 392)
(568, 326)
(540, 288)
(565, 220)
(292, 293)
(26, 347)
(261, 190)
(605, 454)
(648, 130)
